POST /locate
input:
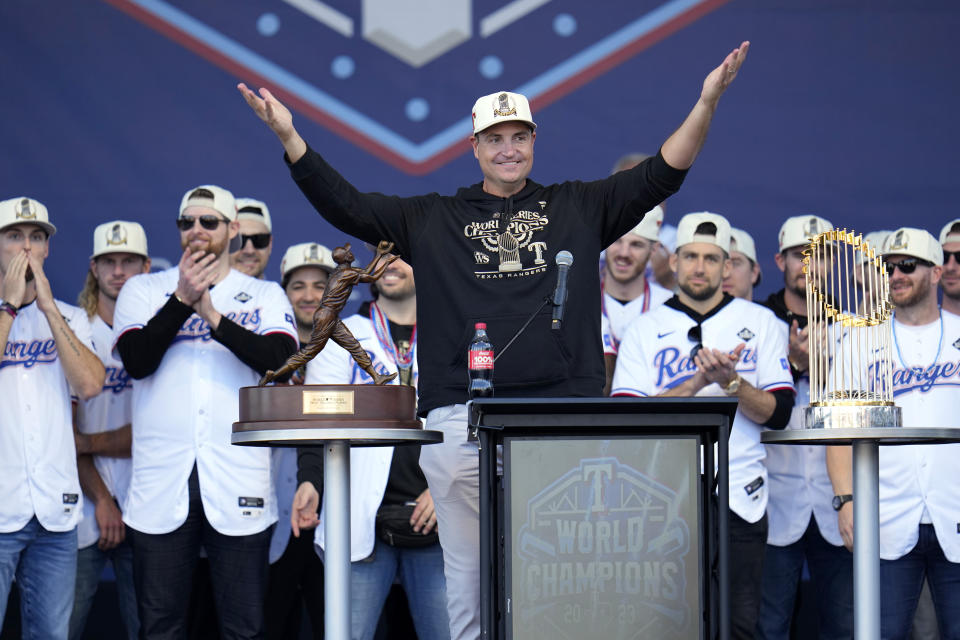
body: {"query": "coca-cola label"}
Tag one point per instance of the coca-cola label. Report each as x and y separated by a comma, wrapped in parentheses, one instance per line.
(481, 359)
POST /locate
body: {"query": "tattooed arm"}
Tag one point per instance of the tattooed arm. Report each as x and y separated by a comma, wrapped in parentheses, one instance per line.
(82, 367)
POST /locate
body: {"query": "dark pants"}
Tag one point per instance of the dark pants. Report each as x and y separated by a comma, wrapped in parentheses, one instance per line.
(831, 574)
(902, 579)
(748, 543)
(295, 578)
(163, 573)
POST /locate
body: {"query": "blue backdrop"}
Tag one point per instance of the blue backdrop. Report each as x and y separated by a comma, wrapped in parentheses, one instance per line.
(112, 109)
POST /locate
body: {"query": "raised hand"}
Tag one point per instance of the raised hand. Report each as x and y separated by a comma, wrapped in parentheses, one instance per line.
(197, 273)
(15, 280)
(277, 117)
(720, 78)
(44, 294)
(718, 366)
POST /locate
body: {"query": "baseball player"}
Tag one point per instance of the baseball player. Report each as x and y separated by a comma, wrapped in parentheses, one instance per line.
(802, 512)
(46, 357)
(379, 476)
(626, 291)
(250, 249)
(919, 500)
(950, 281)
(744, 273)
(296, 572)
(707, 343)
(191, 336)
(104, 433)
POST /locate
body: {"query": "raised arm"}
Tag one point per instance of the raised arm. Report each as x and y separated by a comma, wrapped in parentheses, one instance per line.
(681, 148)
(278, 118)
(81, 366)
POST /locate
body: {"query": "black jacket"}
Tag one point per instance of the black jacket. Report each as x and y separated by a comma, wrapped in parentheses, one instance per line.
(466, 271)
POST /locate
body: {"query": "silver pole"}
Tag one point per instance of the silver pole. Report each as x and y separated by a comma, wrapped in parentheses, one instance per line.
(866, 540)
(336, 529)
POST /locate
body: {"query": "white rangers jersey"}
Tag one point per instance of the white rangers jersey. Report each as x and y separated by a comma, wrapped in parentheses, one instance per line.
(655, 356)
(108, 410)
(616, 317)
(38, 456)
(799, 484)
(921, 483)
(184, 411)
(369, 466)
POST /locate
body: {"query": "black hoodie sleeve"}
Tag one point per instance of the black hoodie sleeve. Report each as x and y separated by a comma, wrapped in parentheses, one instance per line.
(141, 350)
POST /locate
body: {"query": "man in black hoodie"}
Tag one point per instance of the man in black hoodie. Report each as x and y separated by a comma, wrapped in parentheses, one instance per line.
(477, 256)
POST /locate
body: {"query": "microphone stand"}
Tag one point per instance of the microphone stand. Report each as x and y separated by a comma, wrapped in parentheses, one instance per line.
(546, 300)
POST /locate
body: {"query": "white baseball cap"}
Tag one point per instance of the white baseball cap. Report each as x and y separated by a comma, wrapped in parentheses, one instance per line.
(875, 239)
(307, 254)
(800, 230)
(918, 243)
(950, 232)
(502, 106)
(741, 241)
(119, 236)
(216, 198)
(23, 210)
(649, 227)
(250, 209)
(687, 227)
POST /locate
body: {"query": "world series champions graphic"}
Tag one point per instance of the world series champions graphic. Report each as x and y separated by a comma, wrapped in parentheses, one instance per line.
(604, 546)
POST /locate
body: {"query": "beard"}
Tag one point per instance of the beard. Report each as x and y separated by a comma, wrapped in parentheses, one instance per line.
(703, 294)
(214, 245)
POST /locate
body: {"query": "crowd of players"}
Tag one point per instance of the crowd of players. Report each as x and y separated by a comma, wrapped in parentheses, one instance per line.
(166, 352)
(116, 414)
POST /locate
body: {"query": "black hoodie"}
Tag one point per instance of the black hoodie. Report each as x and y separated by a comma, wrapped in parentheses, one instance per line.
(468, 270)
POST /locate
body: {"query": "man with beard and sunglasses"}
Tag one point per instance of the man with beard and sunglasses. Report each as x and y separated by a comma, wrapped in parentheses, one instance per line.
(250, 250)
(805, 520)
(191, 336)
(919, 501)
(950, 280)
(704, 342)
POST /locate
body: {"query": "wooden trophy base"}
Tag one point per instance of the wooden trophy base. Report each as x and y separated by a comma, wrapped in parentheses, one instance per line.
(364, 415)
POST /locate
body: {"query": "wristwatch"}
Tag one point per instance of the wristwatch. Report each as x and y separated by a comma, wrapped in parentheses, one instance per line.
(733, 386)
(839, 501)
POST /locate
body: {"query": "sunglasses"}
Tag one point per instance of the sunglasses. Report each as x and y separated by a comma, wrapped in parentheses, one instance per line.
(259, 240)
(695, 335)
(947, 254)
(907, 266)
(208, 222)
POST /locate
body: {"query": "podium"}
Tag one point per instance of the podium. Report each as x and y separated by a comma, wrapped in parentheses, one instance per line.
(603, 523)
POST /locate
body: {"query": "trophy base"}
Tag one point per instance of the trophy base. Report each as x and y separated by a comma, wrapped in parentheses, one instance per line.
(852, 416)
(327, 406)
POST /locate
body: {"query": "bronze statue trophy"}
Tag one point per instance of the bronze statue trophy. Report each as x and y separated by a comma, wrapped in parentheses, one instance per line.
(335, 416)
(326, 319)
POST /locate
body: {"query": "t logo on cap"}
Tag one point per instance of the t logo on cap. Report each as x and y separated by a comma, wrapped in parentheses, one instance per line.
(899, 242)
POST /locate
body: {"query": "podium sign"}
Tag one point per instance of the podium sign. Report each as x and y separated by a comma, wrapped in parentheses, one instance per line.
(603, 523)
(603, 538)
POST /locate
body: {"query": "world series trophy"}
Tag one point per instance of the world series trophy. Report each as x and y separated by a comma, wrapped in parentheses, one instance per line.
(849, 319)
(336, 417)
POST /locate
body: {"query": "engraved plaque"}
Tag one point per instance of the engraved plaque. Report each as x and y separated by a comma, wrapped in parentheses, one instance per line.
(327, 402)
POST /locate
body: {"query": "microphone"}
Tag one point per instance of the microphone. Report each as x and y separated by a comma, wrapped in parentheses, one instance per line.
(564, 260)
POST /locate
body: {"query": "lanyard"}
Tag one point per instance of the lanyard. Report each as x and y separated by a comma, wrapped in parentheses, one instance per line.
(936, 358)
(382, 328)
